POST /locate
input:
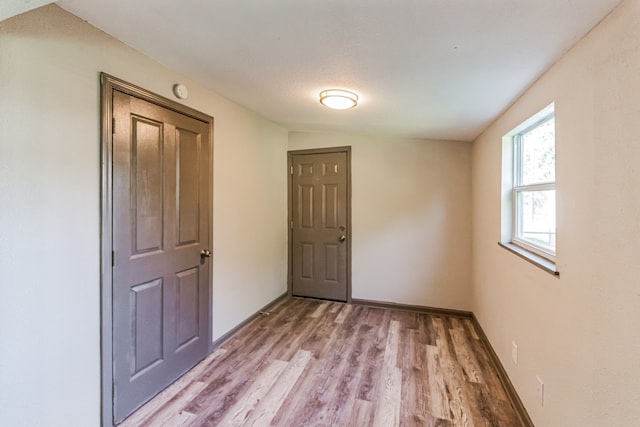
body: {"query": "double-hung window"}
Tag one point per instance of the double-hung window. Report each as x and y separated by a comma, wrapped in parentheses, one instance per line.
(528, 208)
(533, 202)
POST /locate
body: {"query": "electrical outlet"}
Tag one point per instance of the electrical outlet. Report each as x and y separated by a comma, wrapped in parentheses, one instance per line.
(514, 352)
(540, 391)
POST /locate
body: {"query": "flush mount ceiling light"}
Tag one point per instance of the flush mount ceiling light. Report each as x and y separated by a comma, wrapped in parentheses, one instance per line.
(338, 99)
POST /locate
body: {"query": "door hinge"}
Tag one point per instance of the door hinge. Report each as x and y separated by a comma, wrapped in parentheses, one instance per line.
(113, 125)
(291, 225)
(291, 170)
(113, 258)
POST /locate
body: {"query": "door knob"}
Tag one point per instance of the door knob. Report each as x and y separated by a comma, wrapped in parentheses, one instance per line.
(205, 254)
(342, 238)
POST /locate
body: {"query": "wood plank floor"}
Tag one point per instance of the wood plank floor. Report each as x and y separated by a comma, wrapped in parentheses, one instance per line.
(319, 363)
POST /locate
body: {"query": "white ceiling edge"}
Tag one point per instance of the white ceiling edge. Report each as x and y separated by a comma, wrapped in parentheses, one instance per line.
(11, 8)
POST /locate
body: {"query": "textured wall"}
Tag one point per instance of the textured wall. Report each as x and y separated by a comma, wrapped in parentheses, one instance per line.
(50, 211)
(578, 332)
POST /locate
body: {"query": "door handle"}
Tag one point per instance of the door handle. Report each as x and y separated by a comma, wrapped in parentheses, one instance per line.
(205, 253)
(342, 238)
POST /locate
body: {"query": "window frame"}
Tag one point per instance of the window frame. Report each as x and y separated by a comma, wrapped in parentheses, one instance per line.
(517, 188)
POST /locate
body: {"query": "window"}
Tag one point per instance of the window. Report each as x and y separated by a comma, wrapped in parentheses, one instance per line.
(529, 186)
(534, 187)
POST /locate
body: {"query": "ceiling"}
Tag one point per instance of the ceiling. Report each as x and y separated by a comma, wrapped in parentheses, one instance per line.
(9, 8)
(441, 69)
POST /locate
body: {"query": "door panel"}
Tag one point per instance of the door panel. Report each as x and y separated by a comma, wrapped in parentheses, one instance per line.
(188, 172)
(146, 313)
(146, 176)
(319, 209)
(307, 260)
(331, 266)
(306, 207)
(330, 206)
(161, 186)
(187, 305)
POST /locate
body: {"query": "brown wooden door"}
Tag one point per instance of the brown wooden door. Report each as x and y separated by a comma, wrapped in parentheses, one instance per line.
(161, 186)
(319, 210)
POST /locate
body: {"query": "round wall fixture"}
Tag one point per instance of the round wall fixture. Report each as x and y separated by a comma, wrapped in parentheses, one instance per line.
(180, 91)
(338, 99)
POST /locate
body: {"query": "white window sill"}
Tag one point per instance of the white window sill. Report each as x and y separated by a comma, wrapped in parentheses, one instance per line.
(538, 261)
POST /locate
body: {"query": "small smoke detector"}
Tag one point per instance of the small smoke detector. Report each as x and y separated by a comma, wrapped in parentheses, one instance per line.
(180, 91)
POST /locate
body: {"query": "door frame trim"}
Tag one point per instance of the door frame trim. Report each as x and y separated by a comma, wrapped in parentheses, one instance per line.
(329, 150)
(109, 84)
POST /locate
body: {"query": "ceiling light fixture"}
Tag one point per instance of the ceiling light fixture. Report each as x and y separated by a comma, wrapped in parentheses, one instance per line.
(338, 99)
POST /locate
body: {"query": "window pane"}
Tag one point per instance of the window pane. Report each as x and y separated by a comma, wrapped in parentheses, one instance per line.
(536, 211)
(538, 154)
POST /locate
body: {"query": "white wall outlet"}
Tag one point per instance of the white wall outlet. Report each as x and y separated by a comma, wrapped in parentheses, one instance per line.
(514, 352)
(540, 391)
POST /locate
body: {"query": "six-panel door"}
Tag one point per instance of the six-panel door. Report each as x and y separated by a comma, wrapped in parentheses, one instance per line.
(319, 214)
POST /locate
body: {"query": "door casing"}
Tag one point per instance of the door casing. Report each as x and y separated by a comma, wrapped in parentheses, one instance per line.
(290, 154)
(110, 84)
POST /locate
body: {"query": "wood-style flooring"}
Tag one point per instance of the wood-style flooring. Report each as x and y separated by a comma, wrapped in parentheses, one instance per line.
(320, 363)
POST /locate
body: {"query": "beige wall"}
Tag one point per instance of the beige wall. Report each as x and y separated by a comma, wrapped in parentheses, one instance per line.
(411, 218)
(579, 332)
(50, 207)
